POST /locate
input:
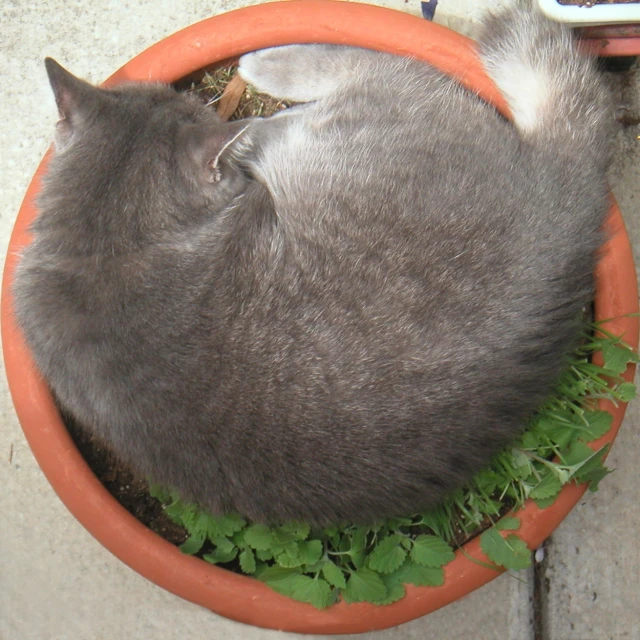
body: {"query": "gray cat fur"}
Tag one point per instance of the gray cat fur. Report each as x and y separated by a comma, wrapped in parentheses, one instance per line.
(336, 314)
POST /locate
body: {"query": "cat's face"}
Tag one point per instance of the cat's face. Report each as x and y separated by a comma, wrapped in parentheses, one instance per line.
(141, 148)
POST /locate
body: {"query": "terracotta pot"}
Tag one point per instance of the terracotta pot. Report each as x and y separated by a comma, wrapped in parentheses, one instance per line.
(231, 595)
(615, 40)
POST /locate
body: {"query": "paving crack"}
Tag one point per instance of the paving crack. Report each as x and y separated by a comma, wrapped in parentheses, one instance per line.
(541, 592)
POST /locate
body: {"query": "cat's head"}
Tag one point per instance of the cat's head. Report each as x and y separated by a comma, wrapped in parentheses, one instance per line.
(140, 150)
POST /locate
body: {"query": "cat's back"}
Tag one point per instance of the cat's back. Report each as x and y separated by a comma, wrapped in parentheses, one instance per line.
(354, 342)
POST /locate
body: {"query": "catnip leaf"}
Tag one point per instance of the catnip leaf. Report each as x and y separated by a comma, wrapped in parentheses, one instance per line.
(582, 460)
(358, 539)
(558, 427)
(275, 573)
(393, 524)
(310, 552)
(529, 441)
(159, 493)
(578, 453)
(186, 514)
(519, 458)
(247, 561)
(289, 556)
(487, 480)
(315, 591)
(223, 526)
(395, 591)
(615, 358)
(388, 555)
(201, 525)
(300, 530)
(264, 554)
(192, 545)
(220, 557)
(283, 581)
(562, 437)
(521, 465)
(522, 554)
(548, 487)
(174, 512)
(365, 585)
(546, 502)
(334, 575)
(431, 551)
(358, 559)
(595, 476)
(223, 544)
(259, 537)
(412, 573)
(344, 545)
(289, 548)
(599, 423)
(226, 556)
(511, 553)
(238, 539)
(333, 536)
(508, 524)
(433, 519)
(634, 356)
(626, 391)
(313, 568)
(594, 465)
(290, 532)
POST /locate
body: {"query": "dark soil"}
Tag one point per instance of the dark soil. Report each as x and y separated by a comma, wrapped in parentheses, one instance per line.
(131, 492)
(209, 84)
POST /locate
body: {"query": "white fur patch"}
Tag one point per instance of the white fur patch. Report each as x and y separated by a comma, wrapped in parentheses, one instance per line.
(284, 158)
(527, 91)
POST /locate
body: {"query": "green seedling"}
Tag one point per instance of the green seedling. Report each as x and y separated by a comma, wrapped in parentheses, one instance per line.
(373, 564)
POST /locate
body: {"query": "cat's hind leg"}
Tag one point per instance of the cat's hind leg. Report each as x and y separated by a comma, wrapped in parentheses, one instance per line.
(304, 72)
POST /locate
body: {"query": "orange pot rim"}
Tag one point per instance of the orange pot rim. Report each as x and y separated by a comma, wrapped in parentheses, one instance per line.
(234, 596)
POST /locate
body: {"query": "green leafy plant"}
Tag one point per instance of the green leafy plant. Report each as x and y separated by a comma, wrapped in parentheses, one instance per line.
(373, 564)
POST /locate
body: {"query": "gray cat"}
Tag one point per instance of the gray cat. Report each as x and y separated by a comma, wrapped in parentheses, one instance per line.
(335, 314)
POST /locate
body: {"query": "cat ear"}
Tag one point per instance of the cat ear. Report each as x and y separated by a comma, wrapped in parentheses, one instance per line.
(73, 98)
(206, 146)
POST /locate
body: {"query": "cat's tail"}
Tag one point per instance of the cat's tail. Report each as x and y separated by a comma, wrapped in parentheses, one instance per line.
(554, 91)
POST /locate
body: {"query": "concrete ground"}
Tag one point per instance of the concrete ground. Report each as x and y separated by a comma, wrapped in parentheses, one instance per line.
(58, 583)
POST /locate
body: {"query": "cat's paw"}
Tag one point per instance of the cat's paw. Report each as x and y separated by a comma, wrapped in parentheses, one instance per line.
(301, 73)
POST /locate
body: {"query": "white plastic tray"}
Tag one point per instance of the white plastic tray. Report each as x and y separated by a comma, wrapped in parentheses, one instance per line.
(598, 14)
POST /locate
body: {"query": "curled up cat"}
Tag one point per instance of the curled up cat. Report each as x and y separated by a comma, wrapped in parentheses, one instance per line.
(338, 313)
